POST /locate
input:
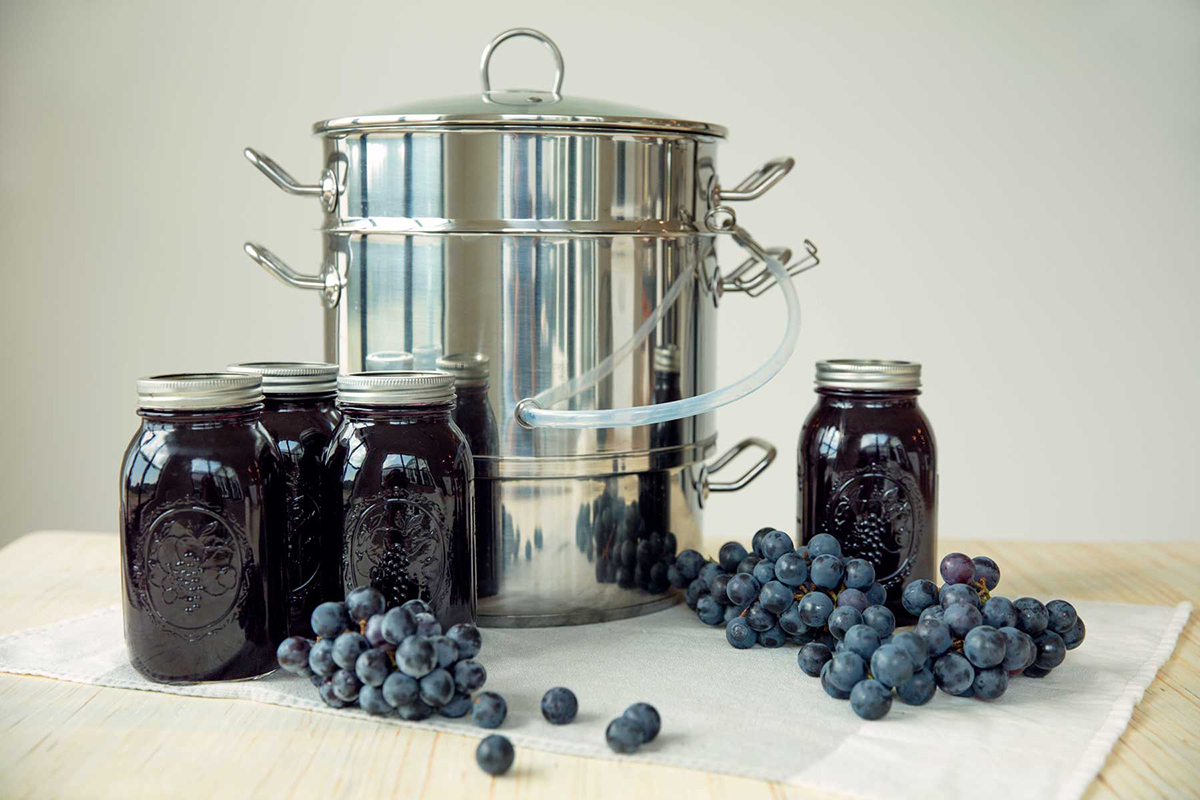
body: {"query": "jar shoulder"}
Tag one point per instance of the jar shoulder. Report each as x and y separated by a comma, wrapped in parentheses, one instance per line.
(834, 429)
(183, 456)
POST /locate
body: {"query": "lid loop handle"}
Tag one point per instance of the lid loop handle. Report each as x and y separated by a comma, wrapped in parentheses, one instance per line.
(512, 33)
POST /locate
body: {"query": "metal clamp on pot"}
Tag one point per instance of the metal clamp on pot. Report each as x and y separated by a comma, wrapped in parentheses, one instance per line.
(572, 244)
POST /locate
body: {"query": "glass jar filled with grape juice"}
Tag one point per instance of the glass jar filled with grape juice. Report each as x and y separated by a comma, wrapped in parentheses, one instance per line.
(203, 528)
(398, 488)
(867, 470)
(300, 415)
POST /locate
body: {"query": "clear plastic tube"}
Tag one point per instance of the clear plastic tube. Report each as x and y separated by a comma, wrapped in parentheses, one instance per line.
(529, 414)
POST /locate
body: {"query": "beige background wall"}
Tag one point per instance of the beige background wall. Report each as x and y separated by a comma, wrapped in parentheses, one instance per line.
(1007, 192)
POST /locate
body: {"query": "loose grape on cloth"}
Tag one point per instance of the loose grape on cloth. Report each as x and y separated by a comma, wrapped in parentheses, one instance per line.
(744, 712)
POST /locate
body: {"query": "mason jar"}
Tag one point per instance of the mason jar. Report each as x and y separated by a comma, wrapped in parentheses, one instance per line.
(867, 471)
(203, 531)
(300, 415)
(398, 486)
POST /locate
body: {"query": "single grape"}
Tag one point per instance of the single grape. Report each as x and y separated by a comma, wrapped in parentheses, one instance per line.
(915, 646)
(790, 621)
(877, 594)
(985, 647)
(1019, 651)
(325, 690)
(917, 690)
(416, 606)
(730, 555)
(826, 571)
(863, 640)
(853, 598)
(775, 597)
(658, 579)
(416, 657)
(709, 610)
(741, 589)
(824, 544)
(830, 689)
(731, 612)
(870, 699)
(815, 608)
(953, 673)
(689, 563)
(772, 637)
(495, 755)
(739, 633)
(398, 625)
(329, 619)
(446, 650)
(370, 700)
(489, 710)
(962, 618)
(1061, 616)
(459, 706)
(374, 631)
(936, 634)
(756, 540)
(764, 572)
(437, 688)
(559, 705)
(415, 711)
(891, 665)
(919, 595)
(776, 544)
(695, 590)
(846, 669)
(467, 638)
(428, 626)
(1034, 671)
(400, 689)
(812, 657)
(1051, 650)
(373, 666)
(791, 569)
(675, 578)
(625, 577)
(709, 571)
(990, 683)
(719, 589)
(646, 717)
(881, 619)
(959, 593)
(747, 565)
(347, 647)
(999, 612)
(859, 574)
(469, 675)
(670, 544)
(986, 570)
(937, 612)
(320, 658)
(957, 568)
(1074, 637)
(346, 685)
(843, 619)
(624, 735)
(292, 655)
(1031, 615)
(364, 602)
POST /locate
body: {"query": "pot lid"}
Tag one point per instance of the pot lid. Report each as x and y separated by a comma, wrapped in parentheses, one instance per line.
(507, 108)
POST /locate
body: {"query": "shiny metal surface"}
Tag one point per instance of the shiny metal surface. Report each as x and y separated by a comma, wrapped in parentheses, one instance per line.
(867, 374)
(291, 377)
(395, 388)
(326, 189)
(195, 391)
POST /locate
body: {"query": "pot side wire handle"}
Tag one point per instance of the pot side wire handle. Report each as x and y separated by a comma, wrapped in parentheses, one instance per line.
(326, 190)
(530, 415)
(767, 458)
(328, 282)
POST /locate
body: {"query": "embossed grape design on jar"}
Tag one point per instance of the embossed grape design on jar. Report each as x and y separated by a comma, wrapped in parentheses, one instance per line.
(300, 415)
(867, 470)
(203, 530)
(398, 489)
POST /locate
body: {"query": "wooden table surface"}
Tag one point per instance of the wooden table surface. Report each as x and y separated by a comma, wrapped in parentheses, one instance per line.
(60, 739)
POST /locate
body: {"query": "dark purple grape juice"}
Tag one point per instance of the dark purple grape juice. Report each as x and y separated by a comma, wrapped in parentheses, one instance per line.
(867, 471)
(203, 529)
(397, 486)
(300, 415)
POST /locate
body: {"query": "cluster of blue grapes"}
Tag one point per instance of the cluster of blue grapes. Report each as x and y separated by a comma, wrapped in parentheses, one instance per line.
(778, 594)
(393, 661)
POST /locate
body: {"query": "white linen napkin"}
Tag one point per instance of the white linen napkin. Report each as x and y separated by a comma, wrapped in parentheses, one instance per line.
(744, 712)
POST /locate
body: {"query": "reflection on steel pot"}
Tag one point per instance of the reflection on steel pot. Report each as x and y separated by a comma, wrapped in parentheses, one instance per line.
(572, 244)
